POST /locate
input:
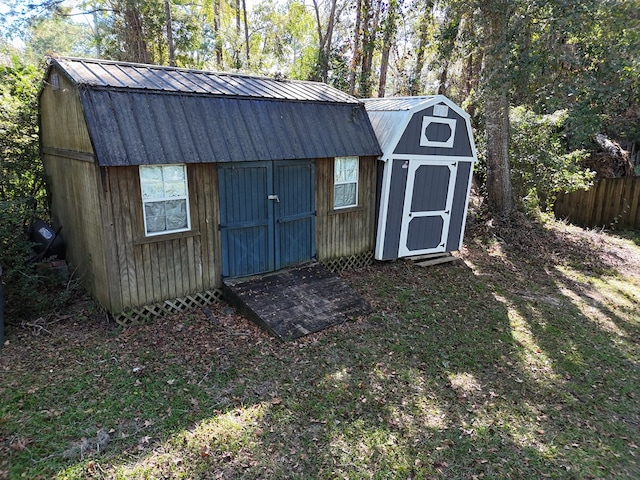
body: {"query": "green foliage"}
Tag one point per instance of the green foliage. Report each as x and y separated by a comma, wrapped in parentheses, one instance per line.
(22, 191)
(132, 30)
(58, 35)
(21, 174)
(580, 56)
(283, 39)
(541, 165)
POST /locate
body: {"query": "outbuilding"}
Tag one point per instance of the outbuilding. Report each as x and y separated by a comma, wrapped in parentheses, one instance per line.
(165, 180)
(425, 174)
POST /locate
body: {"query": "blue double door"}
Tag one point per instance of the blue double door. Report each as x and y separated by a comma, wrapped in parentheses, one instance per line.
(267, 215)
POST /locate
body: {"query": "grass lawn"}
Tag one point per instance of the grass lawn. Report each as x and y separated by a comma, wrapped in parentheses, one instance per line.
(521, 361)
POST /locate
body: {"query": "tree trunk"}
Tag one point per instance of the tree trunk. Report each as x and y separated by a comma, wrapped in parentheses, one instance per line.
(355, 57)
(612, 162)
(387, 40)
(246, 30)
(368, 45)
(423, 38)
(442, 79)
(364, 85)
(446, 45)
(316, 9)
(384, 66)
(217, 34)
(328, 40)
(324, 41)
(237, 63)
(136, 45)
(172, 51)
(469, 83)
(96, 36)
(499, 189)
(497, 85)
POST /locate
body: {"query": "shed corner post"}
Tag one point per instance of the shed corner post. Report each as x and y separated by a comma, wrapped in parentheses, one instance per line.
(381, 228)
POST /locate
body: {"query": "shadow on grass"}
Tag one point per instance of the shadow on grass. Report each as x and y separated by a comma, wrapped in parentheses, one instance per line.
(520, 364)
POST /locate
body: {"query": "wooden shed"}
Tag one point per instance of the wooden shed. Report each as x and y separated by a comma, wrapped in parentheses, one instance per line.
(425, 174)
(166, 180)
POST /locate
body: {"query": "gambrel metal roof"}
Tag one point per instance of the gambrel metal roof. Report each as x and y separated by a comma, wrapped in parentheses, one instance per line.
(148, 114)
(392, 117)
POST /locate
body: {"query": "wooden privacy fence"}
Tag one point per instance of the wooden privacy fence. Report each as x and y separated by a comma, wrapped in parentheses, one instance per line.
(611, 202)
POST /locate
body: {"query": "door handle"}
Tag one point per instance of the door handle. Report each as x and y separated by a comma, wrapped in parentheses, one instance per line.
(274, 197)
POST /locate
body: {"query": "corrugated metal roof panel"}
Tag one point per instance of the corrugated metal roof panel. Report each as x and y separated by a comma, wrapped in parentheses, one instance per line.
(130, 127)
(397, 103)
(388, 126)
(102, 73)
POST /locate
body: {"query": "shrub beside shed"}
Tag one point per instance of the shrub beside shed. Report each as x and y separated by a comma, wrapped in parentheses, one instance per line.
(166, 180)
(424, 176)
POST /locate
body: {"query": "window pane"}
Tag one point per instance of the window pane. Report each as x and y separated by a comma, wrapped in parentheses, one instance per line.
(151, 182)
(150, 174)
(351, 171)
(171, 173)
(344, 195)
(176, 211)
(339, 171)
(346, 170)
(350, 194)
(175, 189)
(155, 216)
(338, 196)
(152, 190)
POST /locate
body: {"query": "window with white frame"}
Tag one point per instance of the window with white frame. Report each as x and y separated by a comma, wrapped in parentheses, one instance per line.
(165, 199)
(345, 182)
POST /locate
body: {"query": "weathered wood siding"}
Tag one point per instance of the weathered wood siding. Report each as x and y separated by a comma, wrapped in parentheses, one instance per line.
(151, 269)
(74, 185)
(62, 120)
(340, 233)
(610, 202)
(75, 203)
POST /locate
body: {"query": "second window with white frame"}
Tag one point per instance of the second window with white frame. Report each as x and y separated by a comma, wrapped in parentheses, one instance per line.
(165, 199)
(345, 182)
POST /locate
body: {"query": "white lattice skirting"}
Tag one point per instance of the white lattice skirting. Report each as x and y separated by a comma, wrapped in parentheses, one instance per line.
(168, 307)
(347, 263)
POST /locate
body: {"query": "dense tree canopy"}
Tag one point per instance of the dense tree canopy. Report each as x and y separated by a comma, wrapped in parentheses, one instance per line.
(488, 55)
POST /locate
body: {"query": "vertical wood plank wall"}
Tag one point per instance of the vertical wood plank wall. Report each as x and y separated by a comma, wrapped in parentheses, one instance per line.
(74, 184)
(341, 233)
(75, 201)
(610, 202)
(152, 269)
(62, 119)
(127, 269)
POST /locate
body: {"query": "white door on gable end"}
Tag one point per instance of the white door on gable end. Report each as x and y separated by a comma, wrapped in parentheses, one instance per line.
(427, 207)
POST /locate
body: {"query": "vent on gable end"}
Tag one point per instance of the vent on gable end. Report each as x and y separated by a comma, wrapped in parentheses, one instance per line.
(55, 82)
